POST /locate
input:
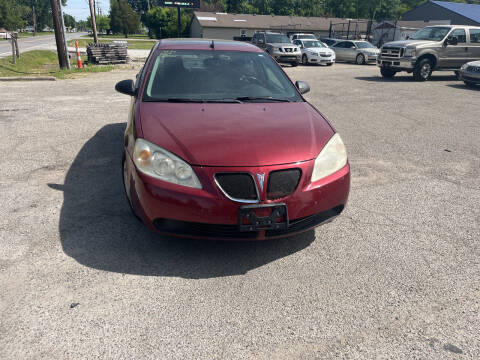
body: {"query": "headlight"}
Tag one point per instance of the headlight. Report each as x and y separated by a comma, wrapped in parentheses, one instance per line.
(410, 52)
(277, 49)
(464, 66)
(332, 158)
(156, 162)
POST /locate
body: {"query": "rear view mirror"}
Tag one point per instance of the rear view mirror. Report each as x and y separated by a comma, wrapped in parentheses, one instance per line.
(126, 87)
(302, 87)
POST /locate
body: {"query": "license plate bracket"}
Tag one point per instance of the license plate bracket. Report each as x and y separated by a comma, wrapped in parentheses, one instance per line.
(248, 220)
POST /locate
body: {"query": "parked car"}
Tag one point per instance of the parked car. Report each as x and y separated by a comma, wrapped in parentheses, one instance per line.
(221, 144)
(316, 52)
(300, 36)
(279, 46)
(358, 51)
(445, 47)
(469, 73)
(330, 41)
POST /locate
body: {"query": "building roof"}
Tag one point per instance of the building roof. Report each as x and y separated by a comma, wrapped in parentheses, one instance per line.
(406, 24)
(273, 22)
(470, 11)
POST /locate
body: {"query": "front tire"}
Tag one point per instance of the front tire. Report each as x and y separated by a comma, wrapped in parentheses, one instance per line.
(304, 59)
(387, 73)
(423, 70)
(294, 64)
(470, 84)
(360, 60)
(126, 184)
(329, 64)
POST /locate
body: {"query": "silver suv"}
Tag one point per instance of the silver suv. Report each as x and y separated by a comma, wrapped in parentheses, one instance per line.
(445, 47)
(279, 46)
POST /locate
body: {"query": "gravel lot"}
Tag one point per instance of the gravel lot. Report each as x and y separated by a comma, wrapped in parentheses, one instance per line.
(397, 276)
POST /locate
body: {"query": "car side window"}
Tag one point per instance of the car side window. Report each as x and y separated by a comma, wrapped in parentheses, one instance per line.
(475, 36)
(349, 45)
(340, 45)
(460, 35)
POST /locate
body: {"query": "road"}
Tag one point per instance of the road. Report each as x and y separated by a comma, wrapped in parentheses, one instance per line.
(34, 43)
(396, 276)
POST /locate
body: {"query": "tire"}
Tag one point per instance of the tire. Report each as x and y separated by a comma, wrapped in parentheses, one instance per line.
(329, 64)
(387, 73)
(294, 64)
(304, 59)
(360, 60)
(423, 70)
(470, 84)
(127, 190)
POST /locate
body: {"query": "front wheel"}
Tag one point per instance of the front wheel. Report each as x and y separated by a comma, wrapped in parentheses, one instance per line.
(304, 59)
(470, 84)
(360, 60)
(387, 73)
(329, 64)
(126, 185)
(423, 70)
(295, 63)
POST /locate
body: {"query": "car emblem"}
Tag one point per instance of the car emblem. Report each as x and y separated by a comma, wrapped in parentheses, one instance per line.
(261, 180)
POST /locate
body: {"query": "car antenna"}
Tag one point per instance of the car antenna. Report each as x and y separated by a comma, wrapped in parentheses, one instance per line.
(212, 45)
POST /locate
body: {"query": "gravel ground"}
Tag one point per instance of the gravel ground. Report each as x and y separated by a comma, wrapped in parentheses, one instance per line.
(396, 276)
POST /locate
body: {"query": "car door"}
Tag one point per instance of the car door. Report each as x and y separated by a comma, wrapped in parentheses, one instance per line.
(351, 51)
(340, 50)
(456, 55)
(474, 45)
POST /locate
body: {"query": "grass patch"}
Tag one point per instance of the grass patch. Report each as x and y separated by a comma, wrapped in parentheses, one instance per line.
(43, 63)
(132, 44)
(119, 36)
(29, 34)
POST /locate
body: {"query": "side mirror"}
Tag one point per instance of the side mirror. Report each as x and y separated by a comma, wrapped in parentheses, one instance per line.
(452, 41)
(126, 87)
(260, 41)
(302, 87)
(408, 37)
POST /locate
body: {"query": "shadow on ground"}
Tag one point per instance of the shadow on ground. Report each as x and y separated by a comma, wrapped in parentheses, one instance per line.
(98, 230)
(465, 87)
(406, 78)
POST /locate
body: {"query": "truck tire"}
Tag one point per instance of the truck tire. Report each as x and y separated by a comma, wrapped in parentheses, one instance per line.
(423, 70)
(295, 63)
(387, 73)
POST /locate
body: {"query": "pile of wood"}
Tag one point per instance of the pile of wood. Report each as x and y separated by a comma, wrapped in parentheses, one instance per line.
(106, 53)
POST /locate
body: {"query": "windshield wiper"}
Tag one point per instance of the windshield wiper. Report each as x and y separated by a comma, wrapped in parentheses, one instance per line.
(266, 98)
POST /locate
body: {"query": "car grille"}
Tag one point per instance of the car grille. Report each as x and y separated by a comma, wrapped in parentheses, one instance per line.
(472, 68)
(282, 183)
(237, 186)
(287, 49)
(392, 52)
(325, 55)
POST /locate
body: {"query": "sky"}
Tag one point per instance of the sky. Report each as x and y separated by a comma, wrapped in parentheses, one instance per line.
(79, 9)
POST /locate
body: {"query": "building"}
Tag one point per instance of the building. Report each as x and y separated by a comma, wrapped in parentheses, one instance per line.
(455, 13)
(237, 26)
(4, 34)
(386, 31)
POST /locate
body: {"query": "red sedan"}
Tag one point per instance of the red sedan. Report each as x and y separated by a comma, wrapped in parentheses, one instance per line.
(220, 144)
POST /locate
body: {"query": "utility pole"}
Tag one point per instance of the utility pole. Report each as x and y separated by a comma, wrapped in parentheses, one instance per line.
(94, 23)
(179, 22)
(63, 33)
(59, 35)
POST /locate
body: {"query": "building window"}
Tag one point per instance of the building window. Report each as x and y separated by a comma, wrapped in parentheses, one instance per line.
(243, 33)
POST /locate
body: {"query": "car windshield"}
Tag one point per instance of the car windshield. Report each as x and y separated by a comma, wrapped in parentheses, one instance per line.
(306, 36)
(431, 33)
(313, 44)
(277, 38)
(365, 45)
(217, 76)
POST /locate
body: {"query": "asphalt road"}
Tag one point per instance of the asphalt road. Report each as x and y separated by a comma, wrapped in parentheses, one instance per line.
(397, 276)
(42, 42)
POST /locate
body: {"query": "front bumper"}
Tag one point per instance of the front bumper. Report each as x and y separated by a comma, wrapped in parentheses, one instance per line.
(318, 59)
(405, 64)
(469, 76)
(285, 57)
(208, 214)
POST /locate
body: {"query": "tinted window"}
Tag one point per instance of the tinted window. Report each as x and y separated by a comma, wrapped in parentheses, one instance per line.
(342, 44)
(364, 45)
(459, 34)
(312, 44)
(475, 35)
(434, 33)
(216, 75)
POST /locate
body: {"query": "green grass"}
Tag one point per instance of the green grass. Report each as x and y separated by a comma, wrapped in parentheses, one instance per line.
(132, 44)
(43, 63)
(39, 33)
(120, 36)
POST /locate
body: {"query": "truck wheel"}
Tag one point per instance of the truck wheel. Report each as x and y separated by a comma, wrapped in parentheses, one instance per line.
(304, 59)
(423, 70)
(387, 73)
(360, 60)
(295, 63)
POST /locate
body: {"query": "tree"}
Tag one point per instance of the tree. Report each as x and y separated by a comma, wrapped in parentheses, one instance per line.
(162, 22)
(123, 19)
(102, 21)
(69, 21)
(12, 14)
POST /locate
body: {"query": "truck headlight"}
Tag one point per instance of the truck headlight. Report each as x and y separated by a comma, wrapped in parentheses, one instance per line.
(159, 163)
(409, 52)
(332, 158)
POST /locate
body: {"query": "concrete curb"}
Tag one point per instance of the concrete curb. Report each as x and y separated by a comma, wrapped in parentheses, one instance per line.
(18, 78)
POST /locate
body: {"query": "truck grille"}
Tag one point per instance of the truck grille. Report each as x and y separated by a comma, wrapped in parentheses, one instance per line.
(282, 183)
(392, 52)
(237, 186)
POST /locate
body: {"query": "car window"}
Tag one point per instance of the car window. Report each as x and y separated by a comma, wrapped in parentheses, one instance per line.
(216, 75)
(475, 35)
(341, 44)
(365, 45)
(349, 45)
(434, 33)
(459, 34)
(297, 42)
(313, 44)
(278, 38)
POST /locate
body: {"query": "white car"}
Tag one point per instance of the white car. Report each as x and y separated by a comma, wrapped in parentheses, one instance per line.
(315, 52)
(302, 36)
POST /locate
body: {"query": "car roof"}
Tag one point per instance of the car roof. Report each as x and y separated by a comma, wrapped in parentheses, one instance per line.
(206, 44)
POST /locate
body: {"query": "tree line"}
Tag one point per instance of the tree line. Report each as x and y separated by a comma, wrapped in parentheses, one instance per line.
(126, 16)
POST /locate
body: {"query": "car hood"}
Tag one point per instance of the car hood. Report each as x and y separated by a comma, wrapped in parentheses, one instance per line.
(405, 43)
(282, 44)
(474, 63)
(320, 50)
(249, 134)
